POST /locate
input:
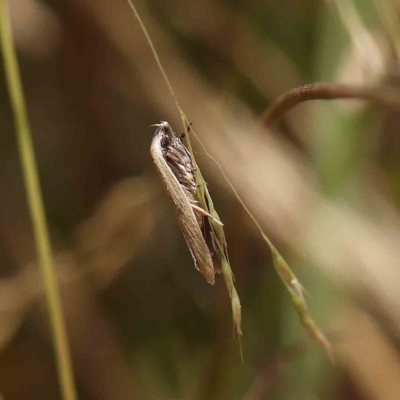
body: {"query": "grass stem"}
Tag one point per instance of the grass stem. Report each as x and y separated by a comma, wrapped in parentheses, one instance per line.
(36, 207)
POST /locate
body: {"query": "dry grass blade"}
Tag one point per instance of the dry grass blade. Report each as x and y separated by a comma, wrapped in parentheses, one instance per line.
(328, 91)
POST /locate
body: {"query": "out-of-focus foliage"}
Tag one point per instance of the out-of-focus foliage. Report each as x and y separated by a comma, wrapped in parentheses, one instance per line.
(324, 184)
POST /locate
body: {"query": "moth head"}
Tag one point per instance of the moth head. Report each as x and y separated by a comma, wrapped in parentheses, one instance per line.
(165, 131)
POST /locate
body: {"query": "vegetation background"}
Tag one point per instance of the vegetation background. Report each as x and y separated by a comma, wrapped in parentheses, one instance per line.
(324, 184)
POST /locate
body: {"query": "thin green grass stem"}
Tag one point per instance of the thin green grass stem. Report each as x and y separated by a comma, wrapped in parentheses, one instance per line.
(35, 201)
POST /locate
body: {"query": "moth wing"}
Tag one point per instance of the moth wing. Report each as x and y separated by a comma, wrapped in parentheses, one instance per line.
(186, 218)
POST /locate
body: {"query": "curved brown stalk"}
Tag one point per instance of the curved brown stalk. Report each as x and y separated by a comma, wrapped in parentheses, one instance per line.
(383, 97)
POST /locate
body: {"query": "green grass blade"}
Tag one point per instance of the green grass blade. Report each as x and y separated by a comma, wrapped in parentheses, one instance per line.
(36, 207)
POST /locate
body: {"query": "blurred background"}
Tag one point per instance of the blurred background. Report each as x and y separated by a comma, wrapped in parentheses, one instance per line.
(324, 184)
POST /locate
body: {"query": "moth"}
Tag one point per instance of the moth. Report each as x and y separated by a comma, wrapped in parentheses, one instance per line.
(175, 167)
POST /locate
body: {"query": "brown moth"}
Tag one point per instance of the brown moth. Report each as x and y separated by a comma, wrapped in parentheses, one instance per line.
(174, 164)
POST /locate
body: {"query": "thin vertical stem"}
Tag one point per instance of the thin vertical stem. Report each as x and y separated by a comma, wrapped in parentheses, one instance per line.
(35, 201)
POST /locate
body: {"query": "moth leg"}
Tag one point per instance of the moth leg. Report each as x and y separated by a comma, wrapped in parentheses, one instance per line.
(204, 212)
